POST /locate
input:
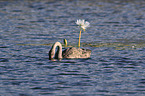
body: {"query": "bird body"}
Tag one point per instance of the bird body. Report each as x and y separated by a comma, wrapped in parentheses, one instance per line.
(72, 52)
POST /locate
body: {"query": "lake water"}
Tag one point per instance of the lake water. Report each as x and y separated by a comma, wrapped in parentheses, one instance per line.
(116, 36)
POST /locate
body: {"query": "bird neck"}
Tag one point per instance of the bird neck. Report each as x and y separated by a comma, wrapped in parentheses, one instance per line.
(57, 44)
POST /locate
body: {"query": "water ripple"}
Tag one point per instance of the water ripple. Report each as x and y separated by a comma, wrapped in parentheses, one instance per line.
(116, 37)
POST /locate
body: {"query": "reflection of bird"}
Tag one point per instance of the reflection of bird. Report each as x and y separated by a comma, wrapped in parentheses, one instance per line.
(68, 53)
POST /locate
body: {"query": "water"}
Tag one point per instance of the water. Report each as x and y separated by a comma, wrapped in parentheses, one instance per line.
(116, 38)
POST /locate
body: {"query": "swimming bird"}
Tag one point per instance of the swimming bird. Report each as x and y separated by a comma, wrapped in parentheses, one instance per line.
(71, 52)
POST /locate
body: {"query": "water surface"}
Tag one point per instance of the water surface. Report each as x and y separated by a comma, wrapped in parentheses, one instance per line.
(116, 38)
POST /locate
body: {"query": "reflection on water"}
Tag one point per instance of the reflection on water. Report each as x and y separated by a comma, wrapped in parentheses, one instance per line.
(28, 28)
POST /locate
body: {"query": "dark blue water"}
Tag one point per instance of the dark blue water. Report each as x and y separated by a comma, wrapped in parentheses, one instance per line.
(116, 37)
